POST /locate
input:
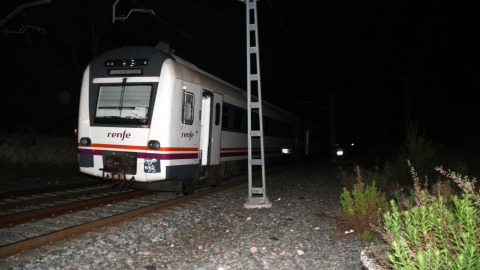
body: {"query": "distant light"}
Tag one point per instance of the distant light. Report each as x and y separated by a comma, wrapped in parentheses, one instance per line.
(340, 152)
(286, 151)
(352, 144)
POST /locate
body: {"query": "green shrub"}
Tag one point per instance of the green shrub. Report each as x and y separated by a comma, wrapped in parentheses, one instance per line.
(367, 235)
(347, 202)
(360, 206)
(383, 178)
(437, 232)
(347, 180)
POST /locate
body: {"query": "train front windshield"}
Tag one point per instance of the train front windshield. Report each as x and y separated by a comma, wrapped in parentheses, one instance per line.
(123, 104)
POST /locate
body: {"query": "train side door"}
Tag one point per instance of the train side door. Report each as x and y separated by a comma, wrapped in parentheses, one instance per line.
(211, 129)
(205, 129)
(216, 133)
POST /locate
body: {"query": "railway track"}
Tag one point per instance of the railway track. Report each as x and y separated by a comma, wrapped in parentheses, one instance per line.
(38, 191)
(68, 208)
(16, 202)
(31, 229)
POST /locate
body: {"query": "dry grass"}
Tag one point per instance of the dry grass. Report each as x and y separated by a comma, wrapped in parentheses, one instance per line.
(36, 156)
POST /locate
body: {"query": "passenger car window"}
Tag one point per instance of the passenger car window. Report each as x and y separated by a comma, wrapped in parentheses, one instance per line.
(225, 116)
(187, 108)
(217, 113)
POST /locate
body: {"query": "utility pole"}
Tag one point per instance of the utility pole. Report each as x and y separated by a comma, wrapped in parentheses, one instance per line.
(257, 196)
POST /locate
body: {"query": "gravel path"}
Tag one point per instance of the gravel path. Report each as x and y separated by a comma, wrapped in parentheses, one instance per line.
(219, 233)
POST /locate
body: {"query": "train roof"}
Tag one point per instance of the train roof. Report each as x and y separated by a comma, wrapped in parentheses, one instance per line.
(157, 56)
(242, 93)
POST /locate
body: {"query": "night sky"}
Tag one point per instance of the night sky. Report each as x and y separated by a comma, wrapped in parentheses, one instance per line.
(367, 54)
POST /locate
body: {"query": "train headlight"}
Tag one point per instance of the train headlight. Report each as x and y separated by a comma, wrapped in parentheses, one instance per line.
(84, 141)
(286, 151)
(153, 145)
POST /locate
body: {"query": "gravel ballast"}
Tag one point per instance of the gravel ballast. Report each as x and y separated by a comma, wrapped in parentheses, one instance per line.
(218, 232)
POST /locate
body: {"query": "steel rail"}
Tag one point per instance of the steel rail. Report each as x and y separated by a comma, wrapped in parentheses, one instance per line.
(39, 241)
(28, 192)
(53, 198)
(35, 215)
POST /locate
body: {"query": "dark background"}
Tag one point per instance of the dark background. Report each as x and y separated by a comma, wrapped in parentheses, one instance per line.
(383, 62)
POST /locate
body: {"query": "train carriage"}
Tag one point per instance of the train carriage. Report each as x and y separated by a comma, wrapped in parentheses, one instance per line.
(149, 117)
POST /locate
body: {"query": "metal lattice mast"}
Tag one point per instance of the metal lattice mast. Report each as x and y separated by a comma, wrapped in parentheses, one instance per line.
(257, 196)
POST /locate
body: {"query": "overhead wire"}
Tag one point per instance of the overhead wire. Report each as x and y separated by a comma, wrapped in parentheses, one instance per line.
(33, 52)
(213, 25)
(285, 29)
(188, 37)
(48, 34)
(102, 24)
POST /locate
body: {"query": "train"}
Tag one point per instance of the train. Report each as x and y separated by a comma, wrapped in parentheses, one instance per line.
(156, 121)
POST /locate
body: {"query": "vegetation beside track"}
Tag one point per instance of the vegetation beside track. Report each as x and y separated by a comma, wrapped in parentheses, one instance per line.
(432, 218)
(30, 160)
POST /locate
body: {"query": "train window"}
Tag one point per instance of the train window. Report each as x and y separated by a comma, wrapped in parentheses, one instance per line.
(276, 128)
(270, 127)
(187, 108)
(283, 131)
(290, 129)
(237, 119)
(217, 114)
(128, 104)
(266, 126)
(225, 116)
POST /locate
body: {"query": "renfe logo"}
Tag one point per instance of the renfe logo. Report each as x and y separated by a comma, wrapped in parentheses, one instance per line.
(188, 135)
(119, 135)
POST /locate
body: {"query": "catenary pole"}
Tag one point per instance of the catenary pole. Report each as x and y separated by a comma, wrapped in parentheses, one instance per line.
(257, 196)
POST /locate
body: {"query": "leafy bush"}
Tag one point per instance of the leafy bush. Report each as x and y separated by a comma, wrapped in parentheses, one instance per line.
(441, 231)
(382, 178)
(367, 235)
(360, 206)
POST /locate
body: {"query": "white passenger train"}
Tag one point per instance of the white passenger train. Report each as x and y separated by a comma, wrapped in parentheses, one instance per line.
(149, 117)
